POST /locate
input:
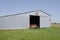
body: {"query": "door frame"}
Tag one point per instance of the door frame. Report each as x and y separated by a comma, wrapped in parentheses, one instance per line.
(36, 23)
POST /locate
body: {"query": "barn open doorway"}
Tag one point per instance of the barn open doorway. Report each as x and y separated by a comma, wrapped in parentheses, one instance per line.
(34, 21)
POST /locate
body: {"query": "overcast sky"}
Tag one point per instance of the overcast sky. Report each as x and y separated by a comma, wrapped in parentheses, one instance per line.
(17, 6)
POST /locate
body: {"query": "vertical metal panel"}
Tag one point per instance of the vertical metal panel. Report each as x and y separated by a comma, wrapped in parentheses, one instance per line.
(44, 21)
(15, 22)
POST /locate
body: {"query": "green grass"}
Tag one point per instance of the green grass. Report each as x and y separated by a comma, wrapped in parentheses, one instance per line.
(31, 34)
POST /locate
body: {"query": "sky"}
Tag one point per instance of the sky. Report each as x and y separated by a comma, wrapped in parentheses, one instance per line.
(52, 7)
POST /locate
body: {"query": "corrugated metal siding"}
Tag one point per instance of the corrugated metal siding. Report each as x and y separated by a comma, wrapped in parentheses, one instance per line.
(22, 21)
(44, 21)
(16, 22)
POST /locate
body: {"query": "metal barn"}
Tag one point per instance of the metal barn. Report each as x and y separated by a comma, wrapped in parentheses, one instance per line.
(24, 20)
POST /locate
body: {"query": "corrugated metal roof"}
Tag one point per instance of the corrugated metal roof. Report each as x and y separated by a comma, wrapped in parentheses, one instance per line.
(25, 13)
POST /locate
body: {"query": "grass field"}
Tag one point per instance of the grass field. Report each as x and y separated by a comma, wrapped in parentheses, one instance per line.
(52, 33)
(56, 25)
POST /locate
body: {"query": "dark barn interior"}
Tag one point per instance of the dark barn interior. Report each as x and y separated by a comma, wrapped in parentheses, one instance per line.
(35, 21)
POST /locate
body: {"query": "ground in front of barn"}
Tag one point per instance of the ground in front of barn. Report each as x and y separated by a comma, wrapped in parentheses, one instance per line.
(52, 33)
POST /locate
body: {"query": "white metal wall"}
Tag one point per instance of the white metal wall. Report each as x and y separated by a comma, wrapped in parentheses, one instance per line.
(44, 21)
(22, 21)
(16, 21)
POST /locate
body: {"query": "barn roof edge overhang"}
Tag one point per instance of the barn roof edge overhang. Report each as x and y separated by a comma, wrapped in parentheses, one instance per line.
(26, 13)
